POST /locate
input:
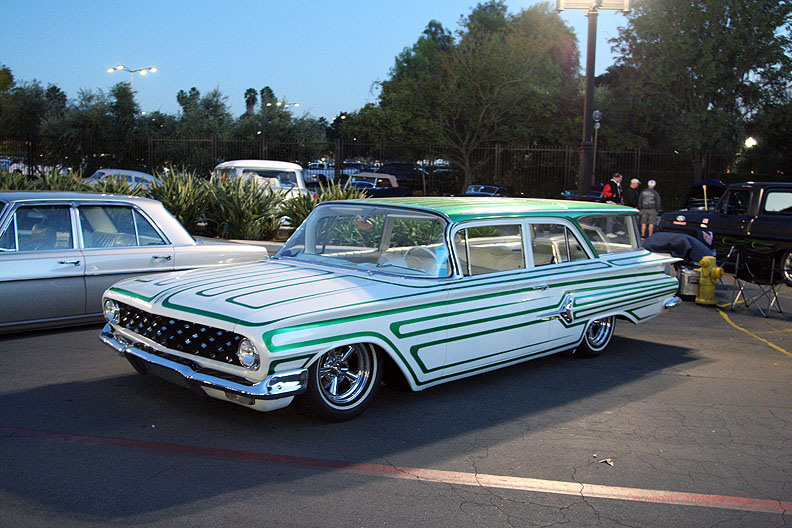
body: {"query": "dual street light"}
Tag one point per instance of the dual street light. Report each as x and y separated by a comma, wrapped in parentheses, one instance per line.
(141, 71)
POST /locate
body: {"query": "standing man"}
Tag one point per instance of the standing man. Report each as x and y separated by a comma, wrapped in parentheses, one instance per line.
(631, 195)
(612, 192)
(649, 204)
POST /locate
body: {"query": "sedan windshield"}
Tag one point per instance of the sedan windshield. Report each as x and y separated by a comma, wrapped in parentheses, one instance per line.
(374, 238)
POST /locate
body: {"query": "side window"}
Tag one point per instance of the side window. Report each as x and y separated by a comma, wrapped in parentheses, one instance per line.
(106, 226)
(491, 248)
(8, 238)
(147, 235)
(778, 202)
(43, 228)
(555, 244)
(610, 233)
(735, 202)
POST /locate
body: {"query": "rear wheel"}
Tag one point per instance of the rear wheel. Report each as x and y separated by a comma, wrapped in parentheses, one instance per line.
(786, 267)
(596, 338)
(342, 383)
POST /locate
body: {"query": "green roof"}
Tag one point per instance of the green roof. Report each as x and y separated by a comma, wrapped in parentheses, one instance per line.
(461, 208)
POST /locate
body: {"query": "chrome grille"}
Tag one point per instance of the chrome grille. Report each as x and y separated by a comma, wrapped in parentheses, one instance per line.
(184, 336)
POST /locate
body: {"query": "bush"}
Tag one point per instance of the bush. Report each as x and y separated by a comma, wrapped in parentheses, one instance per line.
(297, 209)
(116, 185)
(241, 209)
(16, 181)
(183, 194)
(55, 180)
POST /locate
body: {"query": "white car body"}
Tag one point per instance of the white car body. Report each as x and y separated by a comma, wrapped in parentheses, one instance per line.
(134, 178)
(429, 289)
(280, 176)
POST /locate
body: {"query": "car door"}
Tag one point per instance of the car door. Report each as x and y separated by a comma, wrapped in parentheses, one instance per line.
(41, 269)
(493, 312)
(118, 241)
(729, 223)
(559, 257)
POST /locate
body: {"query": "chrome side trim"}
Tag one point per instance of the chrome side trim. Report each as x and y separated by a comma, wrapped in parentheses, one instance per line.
(673, 301)
(278, 385)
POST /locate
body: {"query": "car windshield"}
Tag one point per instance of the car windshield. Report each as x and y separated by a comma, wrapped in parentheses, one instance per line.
(363, 179)
(285, 178)
(374, 238)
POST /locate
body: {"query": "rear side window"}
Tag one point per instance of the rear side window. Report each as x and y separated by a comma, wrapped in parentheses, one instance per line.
(611, 233)
(555, 244)
(490, 248)
(105, 226)
(779, 202)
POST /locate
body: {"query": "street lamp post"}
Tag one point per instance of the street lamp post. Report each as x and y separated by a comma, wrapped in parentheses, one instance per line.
(141, 71)
(592, 7)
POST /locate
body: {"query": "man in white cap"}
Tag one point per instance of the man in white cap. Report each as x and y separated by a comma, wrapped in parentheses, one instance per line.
(649, 204)
(631, 194)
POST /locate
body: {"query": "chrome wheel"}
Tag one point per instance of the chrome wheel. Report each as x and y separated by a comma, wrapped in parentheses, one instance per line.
(342, 382)
(345, 373)
(596, 337)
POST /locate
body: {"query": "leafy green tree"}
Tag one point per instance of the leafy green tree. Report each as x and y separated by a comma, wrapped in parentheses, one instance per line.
(690, 72)
(502, 77)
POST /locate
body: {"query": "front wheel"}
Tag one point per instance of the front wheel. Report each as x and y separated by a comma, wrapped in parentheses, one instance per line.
(597, 336)
(342, 383)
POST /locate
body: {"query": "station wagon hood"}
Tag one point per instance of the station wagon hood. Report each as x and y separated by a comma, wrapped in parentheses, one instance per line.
(254, 294)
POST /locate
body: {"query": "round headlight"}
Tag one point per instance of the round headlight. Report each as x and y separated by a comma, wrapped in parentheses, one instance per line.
(112, 313)
(248, 355)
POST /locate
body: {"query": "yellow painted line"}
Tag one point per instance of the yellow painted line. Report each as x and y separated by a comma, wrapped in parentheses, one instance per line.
(763, 340)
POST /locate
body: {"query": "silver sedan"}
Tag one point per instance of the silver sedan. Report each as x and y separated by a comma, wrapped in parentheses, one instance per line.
(60, 251)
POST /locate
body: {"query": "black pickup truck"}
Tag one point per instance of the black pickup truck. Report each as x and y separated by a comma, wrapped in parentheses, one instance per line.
(755, 214)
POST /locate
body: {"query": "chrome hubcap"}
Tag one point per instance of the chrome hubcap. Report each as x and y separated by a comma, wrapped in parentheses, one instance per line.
(599, 332)
(344, 374)
(786, 267)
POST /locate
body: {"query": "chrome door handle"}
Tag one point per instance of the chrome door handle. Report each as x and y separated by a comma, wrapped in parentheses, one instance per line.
(75, 262)
(541, 287)
(162, 257)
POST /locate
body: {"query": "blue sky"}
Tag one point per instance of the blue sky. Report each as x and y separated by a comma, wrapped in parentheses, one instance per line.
(323, 54)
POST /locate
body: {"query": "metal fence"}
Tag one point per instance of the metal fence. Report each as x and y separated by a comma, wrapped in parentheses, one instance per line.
(535, 171)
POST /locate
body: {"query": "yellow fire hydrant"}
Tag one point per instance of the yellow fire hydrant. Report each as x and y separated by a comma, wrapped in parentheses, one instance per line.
(709, 273)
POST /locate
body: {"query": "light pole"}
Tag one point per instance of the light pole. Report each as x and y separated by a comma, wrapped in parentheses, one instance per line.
(592, 7)
(141, 71)
(597, 116)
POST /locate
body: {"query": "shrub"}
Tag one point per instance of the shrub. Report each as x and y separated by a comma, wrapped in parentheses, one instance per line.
(55, 180)
(241, 209)
(116, 185)
(297, 209)
(183, 194)
(16, 181)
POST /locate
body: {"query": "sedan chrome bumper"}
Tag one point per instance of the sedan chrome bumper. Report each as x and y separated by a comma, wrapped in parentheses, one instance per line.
(190, 374)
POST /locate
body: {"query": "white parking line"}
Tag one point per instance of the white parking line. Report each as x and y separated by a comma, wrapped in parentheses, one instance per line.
(728, 502)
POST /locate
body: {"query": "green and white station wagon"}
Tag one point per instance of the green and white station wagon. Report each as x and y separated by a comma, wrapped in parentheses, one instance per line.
(412, 291)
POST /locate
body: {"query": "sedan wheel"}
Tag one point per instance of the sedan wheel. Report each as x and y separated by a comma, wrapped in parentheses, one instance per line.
(597, 336)
(342, 382)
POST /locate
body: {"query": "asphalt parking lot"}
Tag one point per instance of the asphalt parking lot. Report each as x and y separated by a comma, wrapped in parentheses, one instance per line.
(683, 421)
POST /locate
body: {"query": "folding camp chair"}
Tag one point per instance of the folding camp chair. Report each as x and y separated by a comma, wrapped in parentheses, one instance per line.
(762, 270)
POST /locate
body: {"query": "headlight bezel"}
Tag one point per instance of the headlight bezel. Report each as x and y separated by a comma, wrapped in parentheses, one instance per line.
(248, 355)
(111, 311)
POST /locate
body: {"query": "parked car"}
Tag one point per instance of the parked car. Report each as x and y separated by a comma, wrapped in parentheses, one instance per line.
(59, 252)
(415, 291)
(378, 185)
(134, 178)
(489, 190)
(409, 174)
(757, 215)
(320, 171)
(279, 176)
(704, 194)
(594, 194)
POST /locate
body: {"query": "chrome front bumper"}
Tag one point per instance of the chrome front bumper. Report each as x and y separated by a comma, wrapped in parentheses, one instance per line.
(278, 385)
